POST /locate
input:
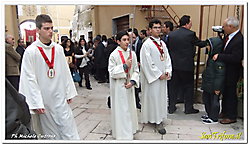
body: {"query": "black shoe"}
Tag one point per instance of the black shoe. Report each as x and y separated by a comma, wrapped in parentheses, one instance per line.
(109, 102)
(80, 85)
(89, 88)
(138, 106)
(209, 121)
(193, 111)
(160, 128)
(171, 111)
(204, 117)
(101, 81)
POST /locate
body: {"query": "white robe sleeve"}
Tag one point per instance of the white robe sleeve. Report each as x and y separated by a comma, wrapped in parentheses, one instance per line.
(135, 72)
(70, 87)
(151, 71)
(28, 82)
(168, 62)
(116, 70)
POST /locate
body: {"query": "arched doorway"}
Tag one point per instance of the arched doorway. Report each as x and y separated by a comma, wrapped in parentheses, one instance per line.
(28, 31)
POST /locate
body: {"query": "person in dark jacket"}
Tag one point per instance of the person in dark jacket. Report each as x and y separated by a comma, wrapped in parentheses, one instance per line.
(17, 116)
(212, 82)
(100, 60)
(232, 56)
(181, 47)
(20, 49)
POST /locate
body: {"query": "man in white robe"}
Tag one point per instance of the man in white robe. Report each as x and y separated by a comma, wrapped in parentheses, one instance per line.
(155, 71)
(123, 107)
(48, 92)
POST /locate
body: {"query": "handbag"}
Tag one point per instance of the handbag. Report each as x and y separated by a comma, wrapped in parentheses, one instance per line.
(76, 76)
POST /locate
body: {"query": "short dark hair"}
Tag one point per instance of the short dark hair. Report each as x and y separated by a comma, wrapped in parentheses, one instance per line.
(121, 34)
(42, 19)
(144, 32)
(184, 20)
(169, 24)
(135, 31)
(104, 38)
(154, 21)
(19, 40)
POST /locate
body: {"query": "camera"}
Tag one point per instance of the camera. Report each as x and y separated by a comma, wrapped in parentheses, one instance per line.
(218, 29)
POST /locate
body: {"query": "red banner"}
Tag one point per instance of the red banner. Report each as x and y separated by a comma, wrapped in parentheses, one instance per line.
(30, 35)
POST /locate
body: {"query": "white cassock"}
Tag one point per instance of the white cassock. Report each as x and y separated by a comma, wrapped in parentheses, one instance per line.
(50, 93)
(123, 107)
(154, 93)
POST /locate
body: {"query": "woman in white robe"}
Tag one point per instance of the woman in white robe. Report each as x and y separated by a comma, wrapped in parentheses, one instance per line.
(123, 107)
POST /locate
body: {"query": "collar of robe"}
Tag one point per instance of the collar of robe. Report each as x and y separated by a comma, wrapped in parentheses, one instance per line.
(121, 49)
(44, 46)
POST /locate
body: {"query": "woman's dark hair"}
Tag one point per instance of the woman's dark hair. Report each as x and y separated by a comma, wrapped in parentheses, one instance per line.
(104, 38)
(121, 34)
(64, 43)
(184, 20)
(154, 21)
(83, 40)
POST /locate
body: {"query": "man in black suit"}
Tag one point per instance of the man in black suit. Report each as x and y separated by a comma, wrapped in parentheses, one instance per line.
(232, 56)
(20, 49)
(100, 60)
(181, 45)
(166, 29)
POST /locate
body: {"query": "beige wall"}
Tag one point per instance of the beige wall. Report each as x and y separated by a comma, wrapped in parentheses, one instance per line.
(62, 16)
(103, 16)
(11, 22)
(213, 15)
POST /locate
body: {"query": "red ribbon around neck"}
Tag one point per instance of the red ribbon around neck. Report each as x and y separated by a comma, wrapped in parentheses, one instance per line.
(50, 64)
(158, 46)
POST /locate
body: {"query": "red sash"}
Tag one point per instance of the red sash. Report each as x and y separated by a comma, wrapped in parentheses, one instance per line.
(158, 46)
(123, 60)
(50, 64)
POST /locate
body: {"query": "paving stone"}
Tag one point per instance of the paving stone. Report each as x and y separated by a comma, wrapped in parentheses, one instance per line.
(109, 137)
(86, 127)
(97, 101)
(100, 117)
(147, 136)
(99, 111)
(148, 127)
(81, 117)
(77, 111)
(95, 136)
(170, 136)
(187, 122)
(193, 130)
(104, 106)
(104, 127)
(189, 137)
(86, 106)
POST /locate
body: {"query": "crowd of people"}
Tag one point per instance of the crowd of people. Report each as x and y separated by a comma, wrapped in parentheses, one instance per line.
(146, 71)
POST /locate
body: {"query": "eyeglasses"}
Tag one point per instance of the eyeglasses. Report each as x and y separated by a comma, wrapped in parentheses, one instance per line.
(156, 27)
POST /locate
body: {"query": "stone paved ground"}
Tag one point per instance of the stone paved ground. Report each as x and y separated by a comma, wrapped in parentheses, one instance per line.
(92, 117)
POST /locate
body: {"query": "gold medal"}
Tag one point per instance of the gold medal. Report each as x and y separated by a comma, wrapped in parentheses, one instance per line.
(51, 73)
